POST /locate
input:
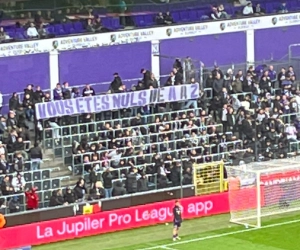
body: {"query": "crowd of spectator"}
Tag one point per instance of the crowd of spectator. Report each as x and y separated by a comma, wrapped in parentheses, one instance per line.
(248, 116)
(252, 112)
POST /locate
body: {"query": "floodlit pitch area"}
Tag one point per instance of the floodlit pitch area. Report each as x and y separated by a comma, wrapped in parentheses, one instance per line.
(212, 233)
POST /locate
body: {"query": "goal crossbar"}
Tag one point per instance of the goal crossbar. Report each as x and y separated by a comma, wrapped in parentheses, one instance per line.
(270, 166)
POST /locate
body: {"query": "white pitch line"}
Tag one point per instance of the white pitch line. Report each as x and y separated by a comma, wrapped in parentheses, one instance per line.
(220, 235)
(168, 248)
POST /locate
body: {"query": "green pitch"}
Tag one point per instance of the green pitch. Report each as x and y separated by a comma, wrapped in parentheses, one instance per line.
(210, 233)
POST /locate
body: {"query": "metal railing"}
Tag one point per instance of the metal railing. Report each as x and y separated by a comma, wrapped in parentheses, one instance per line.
(78, 130)
(182, 153)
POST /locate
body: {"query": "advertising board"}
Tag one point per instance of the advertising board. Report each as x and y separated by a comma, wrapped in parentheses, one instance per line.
(110, 221)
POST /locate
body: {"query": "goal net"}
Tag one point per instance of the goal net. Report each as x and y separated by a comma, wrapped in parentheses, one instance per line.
(264, 189)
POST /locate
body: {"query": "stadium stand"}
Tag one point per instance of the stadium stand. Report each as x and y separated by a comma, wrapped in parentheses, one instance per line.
(46, 19)
(238, 118)
(252, 115)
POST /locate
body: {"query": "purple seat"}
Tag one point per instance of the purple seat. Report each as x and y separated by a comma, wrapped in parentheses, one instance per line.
(175, 16)
(50, 29)
(59, 30)
(139, 21)
(202, 14)
(229, 9)
(193, 16)
(270, 8)
(105, 22)
(293, 6)
(149, 20)
(184, 16)
(11, 33)
(20, 30)
(68, 27)
(115, 24)
(78, 27)
(58, 27)
(19, 36)
(25, 35)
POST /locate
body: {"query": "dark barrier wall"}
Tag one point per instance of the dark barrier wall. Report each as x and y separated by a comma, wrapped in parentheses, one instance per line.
(224, 49)
(266, 48)
(63, 212)
(99, 64)
(18, 71)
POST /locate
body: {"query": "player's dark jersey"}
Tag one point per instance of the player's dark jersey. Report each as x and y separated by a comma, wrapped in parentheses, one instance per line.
(177, 214)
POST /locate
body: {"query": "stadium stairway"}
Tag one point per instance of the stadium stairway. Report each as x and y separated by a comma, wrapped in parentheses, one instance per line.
(62, 172)
(59, 170)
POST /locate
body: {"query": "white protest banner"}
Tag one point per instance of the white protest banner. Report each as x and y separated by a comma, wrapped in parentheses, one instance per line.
(99, 103)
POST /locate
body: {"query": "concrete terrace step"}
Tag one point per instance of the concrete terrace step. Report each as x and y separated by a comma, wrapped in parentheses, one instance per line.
(61, 173)
(70, 182)
(59, 169)
(49, 163)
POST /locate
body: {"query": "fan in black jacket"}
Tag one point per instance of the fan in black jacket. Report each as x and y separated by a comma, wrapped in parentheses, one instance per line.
(56, 199)
(29, 91)
(116, 83)
(118, 189)
(38, 95)
(69, 196)
(14, 101)
(146, 76)
(142, 184)
(28, 106)
(231, 121)
(12, 122)
(80, 190)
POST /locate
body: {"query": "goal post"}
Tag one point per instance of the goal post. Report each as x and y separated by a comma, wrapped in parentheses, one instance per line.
(262, 190)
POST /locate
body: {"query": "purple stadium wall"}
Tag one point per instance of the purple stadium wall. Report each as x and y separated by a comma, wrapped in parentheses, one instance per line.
(224, 49)
(98, 64)
(266, 48)
(18, 71)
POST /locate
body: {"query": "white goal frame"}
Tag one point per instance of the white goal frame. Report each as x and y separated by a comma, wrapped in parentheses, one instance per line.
(269, 167)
